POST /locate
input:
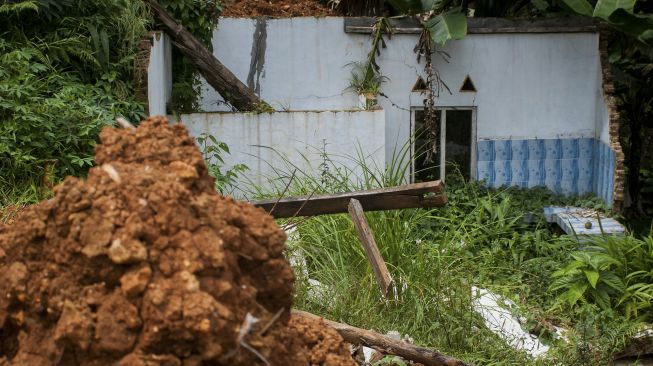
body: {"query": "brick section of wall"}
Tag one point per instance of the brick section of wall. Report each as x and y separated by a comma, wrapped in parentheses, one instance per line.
(141, 65)
(613, 113)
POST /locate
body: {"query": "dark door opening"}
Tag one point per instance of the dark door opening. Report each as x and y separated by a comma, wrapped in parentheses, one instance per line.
(455, 144)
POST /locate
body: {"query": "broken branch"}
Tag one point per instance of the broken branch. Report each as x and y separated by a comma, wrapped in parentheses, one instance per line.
(385, 344)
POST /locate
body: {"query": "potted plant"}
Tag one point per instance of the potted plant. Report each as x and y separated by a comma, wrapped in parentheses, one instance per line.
(366, 82)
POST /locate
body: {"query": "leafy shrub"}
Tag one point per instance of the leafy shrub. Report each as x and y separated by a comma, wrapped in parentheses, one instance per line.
(611, 272)
(66, 70)
(48, 116)
(213, 150)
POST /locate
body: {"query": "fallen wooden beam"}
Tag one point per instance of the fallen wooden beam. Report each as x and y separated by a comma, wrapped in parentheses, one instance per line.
(393, 198)
(372, 252)
(216, 74)
(385, 344)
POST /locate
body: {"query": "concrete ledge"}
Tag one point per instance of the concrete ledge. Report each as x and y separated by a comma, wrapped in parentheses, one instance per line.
(484, 25)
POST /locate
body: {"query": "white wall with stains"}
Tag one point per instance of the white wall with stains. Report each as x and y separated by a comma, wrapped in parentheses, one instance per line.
(529, 85)
(539, 105)
(274, 145)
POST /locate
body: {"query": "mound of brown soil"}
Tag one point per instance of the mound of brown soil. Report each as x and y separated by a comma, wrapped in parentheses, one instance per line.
(275, 8)
(144, 264)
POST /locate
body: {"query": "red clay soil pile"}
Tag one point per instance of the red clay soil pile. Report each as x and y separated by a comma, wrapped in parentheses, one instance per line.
(144, 264)
(275, 8)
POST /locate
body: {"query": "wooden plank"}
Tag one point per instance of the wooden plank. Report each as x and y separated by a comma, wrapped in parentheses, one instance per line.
(384, 344)
(372, 252)
(409, 25)
(393, 198)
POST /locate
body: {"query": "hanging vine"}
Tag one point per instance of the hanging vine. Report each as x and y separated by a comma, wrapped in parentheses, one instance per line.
(441, 22)
(426, 48)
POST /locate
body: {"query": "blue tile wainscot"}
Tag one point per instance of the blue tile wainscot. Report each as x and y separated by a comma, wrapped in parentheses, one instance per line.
(566, 166)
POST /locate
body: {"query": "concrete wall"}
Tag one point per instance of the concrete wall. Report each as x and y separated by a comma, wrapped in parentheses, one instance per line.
(159, 75)
(275, 144)
(529, 85)
(544, 87)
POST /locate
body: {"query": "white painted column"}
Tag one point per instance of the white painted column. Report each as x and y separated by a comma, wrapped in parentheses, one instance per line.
(159, 73)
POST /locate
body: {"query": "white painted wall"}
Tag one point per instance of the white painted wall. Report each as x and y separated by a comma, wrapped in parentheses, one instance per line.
(274, 143)
(159, 74)
(529, 85)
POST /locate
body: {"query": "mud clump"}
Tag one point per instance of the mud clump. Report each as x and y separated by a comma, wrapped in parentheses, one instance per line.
(144, 264)
(275, 8)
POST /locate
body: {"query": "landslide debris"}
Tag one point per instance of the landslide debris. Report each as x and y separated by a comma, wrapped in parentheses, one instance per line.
(275, 8)
(142, 263)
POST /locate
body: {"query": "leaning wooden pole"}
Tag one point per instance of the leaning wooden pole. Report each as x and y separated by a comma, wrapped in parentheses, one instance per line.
(372, 252)
(216, 74)
(385, 344)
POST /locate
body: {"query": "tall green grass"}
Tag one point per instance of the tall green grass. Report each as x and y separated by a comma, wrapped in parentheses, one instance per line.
(435, 256)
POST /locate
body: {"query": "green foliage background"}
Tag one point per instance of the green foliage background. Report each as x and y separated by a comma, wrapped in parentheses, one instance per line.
(67, 70)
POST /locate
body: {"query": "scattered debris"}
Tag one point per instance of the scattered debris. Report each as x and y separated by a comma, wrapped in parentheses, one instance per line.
(640, 347)
(383, 277)
(424, 194)
(143, 263)
(500, 320)
(416, 195)
(214, 72)
(274, 8)
(581, 221)
(385, 344)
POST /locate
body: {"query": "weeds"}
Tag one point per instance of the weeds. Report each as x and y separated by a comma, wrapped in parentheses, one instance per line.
(435, 257)
(212, 151)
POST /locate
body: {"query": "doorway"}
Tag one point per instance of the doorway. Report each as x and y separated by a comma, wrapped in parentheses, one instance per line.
(456, 144)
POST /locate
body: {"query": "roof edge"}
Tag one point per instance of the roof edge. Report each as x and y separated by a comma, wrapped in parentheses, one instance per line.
(411, 25)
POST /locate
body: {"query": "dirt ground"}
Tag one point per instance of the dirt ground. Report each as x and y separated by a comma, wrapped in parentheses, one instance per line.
(144, 264)
(8, 213)
(275, 8)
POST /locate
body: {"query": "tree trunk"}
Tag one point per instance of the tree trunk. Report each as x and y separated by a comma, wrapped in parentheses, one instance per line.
(386, 344)
(216, 74)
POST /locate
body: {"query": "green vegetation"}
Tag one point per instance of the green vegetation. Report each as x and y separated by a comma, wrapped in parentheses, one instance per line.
(611, 272)
(67, 70)
(479, 239)
(213, 152)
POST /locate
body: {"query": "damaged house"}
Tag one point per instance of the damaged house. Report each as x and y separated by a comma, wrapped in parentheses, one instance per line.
(522, 103)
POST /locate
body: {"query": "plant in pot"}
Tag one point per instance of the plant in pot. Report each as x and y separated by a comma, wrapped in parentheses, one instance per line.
(366, 82)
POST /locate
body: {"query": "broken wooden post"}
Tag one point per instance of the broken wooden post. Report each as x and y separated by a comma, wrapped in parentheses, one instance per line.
(425, 194)
(216, 74)
(372, 252)
(386, 345)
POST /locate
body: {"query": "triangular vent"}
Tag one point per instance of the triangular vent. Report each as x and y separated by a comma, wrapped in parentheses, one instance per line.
(468, 85)
(420, 85)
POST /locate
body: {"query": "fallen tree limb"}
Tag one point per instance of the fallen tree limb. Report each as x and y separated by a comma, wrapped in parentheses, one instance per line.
(385, 344)
(216, 74)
